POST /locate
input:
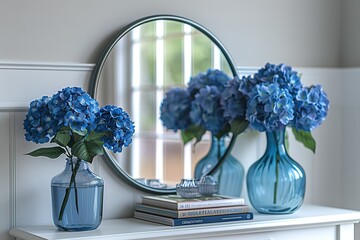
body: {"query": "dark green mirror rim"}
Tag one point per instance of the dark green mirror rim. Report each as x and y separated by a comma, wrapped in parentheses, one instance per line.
(95, 78)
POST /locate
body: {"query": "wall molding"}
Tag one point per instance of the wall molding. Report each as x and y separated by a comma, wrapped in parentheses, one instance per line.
(29, 80)
(23, 82)
(12, 170)
(46, 66)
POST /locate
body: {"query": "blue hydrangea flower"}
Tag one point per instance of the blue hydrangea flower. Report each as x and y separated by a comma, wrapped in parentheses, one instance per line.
(74, 108)
(269, 107)
(207, 111)
(117, 125)
(212, 77)
(281, 74)
(175, 109)
(38, 123)
(284, 76)
(311, 107)
(233, 101)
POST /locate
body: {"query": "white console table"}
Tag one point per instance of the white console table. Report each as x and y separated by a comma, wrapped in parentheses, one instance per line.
(310, 222)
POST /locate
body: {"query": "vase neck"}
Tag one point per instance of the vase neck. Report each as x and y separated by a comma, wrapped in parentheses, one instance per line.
(75, 163)
(217, 146)
(275, 141)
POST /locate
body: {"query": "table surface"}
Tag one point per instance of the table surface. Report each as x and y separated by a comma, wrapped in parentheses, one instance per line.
(130, 228)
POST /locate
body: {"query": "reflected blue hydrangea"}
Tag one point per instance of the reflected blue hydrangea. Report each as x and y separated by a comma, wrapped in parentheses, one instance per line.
(311, 106)
(117, 125)
(74, 108)
(175, 109)
(38, 122)
(207, 111)
(233, 101)
(213, 77)
(269, 107)
(201, 100)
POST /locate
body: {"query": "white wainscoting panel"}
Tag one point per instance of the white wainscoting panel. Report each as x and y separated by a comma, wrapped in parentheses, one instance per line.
(5, 177)
(25, 181)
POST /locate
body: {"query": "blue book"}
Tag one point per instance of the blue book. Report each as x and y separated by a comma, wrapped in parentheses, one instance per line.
(195, 220)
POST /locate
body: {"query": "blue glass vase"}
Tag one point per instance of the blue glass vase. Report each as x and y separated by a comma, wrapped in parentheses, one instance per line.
(230, 175)
(77, 197)
(276, 183)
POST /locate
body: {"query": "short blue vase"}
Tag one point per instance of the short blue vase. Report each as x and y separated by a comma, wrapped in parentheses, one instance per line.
(230, 176)
(77, 197)
(276, 183)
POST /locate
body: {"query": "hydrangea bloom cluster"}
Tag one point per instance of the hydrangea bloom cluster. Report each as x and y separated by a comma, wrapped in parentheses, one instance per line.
(311, 107)
(207, 111)
(206, 108)
(276, 98)
(233, 100)
(213, 77)
(74, 108)
(118, 126)
(39, 125)
(175, 109)
(269, 107)
(199, 104)
(72, 111)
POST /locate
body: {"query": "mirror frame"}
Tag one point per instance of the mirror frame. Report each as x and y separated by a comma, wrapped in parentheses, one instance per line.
(95, 78)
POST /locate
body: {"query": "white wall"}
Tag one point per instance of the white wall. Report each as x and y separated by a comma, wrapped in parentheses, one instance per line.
(350, 43)
(256, 31)
(67, 36)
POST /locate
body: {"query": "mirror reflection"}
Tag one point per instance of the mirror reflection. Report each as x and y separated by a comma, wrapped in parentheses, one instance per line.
(141, 66)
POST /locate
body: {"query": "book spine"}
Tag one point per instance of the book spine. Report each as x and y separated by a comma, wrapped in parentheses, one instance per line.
(208, 204)
(213, 219)
(212, 211)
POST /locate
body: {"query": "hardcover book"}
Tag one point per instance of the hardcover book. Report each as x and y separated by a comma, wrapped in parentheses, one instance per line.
(192, 212)
(195, 220)
(178, 203)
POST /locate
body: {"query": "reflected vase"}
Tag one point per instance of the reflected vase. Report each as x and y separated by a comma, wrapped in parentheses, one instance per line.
(230, 175)
(77, 197)
(276, 183)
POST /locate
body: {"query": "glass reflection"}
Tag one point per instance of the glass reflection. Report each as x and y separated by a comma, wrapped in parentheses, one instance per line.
(143, 64)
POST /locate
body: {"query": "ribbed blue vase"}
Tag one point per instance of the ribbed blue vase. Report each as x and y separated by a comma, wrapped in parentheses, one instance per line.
(83, 205)
(230, 175)
(276, 183)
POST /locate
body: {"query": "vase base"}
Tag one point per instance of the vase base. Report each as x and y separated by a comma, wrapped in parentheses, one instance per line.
(276, 210)
(77, 228)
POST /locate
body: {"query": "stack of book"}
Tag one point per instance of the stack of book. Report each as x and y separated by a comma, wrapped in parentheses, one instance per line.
(176, 211)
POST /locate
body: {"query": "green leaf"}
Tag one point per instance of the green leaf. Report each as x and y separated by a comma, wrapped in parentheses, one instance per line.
(94, 136)
(81, 133)
(192, 132)
(223, 132)
(87, 150)
(238, 126)
(306, 138)
(62, 138)
(51, 152)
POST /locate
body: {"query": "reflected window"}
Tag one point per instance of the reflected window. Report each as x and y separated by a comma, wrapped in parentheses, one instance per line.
(165, 54)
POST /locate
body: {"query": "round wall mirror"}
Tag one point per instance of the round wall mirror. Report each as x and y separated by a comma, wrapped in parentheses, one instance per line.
(141, 62)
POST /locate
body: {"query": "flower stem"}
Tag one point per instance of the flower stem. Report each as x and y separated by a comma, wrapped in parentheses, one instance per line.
(276, 184)
(68, 190)
(277, 177)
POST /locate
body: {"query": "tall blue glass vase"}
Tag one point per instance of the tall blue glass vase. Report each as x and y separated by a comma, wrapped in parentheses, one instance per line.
(77, 197)
(276, 183)
(230, 175)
